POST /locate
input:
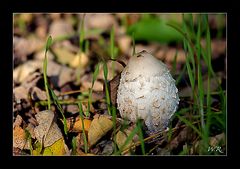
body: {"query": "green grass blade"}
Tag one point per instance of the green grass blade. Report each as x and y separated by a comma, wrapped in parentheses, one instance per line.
(84, 134)
(95, 74)
(181, 75)
(112, 43)
(175, 63)
(56, 102)
(108, 100)
(200, 85)
(114, 117)
(113, 50)
(74, 146)
(49, 43)
(45, 63)
(141, 138)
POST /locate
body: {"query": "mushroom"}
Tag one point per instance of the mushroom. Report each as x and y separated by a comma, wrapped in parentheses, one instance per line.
(147, 91)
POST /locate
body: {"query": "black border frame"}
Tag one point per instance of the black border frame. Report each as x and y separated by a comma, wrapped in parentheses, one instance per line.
(233, 29)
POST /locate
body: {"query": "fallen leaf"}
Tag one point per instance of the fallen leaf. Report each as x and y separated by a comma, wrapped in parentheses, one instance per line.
(100, 21)
(108, 148)
(64, 56)
(121, 137)
(41, 55)
(113, 87)
(38, 94)
(77, 126)
(57, 148)
(21, 72)
(98, 128)
(22, 47)
(47, 132)
(80, 60)
(20, 139)
(60, 28)
(180, 138)
(18, 121)
(124, 43)
(59, 74)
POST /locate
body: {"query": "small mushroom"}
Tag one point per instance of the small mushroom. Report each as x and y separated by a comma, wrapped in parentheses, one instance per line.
(147, 91)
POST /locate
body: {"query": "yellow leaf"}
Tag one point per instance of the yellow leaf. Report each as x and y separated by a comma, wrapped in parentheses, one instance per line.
(77, 126)
(80, 60)
(98, 128)
(57, 148)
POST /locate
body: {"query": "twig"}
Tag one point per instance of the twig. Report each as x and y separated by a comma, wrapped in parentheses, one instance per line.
(155, 136)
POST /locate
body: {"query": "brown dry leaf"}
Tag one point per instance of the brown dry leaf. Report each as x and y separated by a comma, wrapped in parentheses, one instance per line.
(19, 136)
(86, 83)
(23, 47)
(108, 148)
(20, 139)
(18, 121)
(60, 28)
(23, 71)
(124, 43)
(59, 74)
(113, 87)
(121, 137)
(64, 56)
(77, 126)
(100, 21)
(47, 132)
(38, 94)
(80, 60)
(21, 92)
(180, 138)
(40, 55)
(98, 128)
(73, 109)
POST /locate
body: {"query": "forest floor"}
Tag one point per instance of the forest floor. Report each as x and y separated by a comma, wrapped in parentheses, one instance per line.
(77, 120)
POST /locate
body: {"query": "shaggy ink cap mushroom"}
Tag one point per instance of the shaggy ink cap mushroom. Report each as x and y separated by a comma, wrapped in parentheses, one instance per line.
(147, 91)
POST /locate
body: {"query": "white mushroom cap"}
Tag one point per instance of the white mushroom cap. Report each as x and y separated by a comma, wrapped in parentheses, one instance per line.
(147, 91)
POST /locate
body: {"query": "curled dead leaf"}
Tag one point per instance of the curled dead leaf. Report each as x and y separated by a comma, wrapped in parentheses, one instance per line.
(77, 125)
(47, 132)
(98, 128)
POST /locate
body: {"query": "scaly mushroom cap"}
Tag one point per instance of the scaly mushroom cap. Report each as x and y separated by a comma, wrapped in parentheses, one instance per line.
(147, 91)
